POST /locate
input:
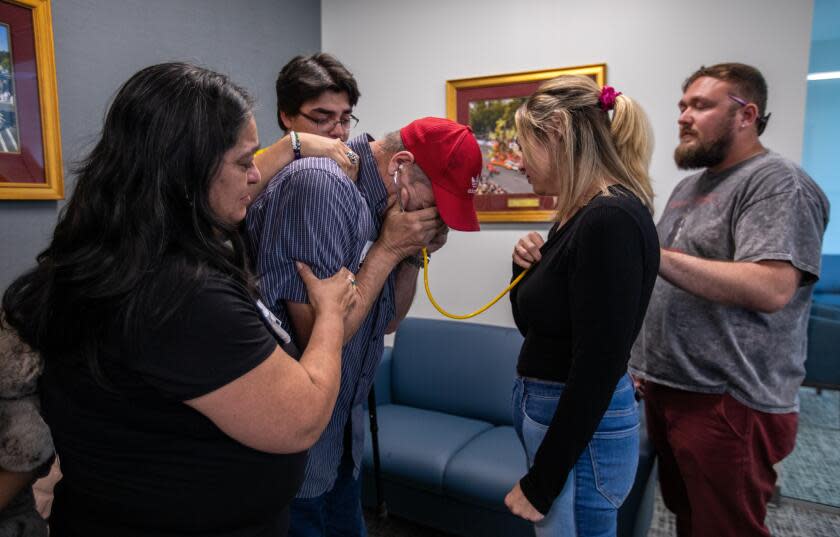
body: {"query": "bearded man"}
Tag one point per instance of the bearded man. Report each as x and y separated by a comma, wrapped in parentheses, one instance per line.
(721, 356)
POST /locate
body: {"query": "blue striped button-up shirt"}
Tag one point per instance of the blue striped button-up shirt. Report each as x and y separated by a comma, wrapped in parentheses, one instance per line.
(312, 212)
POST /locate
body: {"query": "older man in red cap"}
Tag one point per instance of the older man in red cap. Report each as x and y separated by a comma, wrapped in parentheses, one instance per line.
(413, 185)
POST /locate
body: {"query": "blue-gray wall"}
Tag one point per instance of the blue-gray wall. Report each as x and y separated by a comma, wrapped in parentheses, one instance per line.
(100, 43)
(822, 114)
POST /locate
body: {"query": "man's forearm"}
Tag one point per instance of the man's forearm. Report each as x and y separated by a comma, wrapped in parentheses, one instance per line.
(404, 290)
(764, 286)
(270, 161)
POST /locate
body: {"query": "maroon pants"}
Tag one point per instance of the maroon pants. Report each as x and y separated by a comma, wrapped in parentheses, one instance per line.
(716, 459)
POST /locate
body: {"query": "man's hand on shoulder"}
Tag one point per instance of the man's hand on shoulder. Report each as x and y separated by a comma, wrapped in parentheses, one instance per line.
(314, 145)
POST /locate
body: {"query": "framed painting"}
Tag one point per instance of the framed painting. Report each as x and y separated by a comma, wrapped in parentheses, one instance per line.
(30, 141)
(487, 104)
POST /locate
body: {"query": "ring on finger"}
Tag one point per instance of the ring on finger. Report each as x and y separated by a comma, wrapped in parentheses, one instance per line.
(352, 156)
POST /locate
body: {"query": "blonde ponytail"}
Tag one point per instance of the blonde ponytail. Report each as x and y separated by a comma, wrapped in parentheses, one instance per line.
(633, 137)
(566, 117)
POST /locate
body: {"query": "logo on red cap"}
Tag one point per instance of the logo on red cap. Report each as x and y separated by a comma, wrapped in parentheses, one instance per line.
(473, 185)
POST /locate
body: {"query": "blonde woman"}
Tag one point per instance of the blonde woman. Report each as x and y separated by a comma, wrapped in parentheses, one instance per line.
(581, 305)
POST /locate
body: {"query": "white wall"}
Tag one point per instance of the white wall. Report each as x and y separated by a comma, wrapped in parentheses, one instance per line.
(403, 51)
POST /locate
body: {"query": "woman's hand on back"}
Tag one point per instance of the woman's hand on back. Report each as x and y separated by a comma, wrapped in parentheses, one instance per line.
(527, 251)
(335, 295)
(314, 145)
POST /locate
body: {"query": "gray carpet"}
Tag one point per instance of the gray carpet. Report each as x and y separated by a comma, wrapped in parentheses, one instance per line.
(785, 520)
(812, 471)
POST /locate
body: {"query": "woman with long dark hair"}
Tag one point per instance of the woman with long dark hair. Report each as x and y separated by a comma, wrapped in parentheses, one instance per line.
(581, 305)
(173, 408)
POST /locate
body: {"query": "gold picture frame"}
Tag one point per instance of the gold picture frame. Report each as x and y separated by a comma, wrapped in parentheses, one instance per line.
(33, 169)
(474, 101)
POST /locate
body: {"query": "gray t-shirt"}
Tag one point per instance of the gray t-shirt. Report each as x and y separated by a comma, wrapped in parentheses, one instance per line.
(765, 208)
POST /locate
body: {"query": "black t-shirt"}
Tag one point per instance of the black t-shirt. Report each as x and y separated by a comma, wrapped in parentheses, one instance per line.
(137, 461)
(580, 309)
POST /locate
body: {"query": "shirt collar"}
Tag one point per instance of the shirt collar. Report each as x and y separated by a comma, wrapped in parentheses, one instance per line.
(369, 181)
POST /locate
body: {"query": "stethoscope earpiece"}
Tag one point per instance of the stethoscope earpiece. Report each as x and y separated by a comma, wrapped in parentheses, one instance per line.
(397, 187)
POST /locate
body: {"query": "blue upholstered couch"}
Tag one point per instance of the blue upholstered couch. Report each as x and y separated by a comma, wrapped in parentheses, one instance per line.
(449, 453)
(827, 289)
(822, 366)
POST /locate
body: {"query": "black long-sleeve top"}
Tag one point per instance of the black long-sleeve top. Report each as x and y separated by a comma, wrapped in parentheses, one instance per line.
(580, 309)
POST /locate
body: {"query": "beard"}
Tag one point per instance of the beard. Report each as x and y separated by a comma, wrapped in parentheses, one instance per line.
(705, 154)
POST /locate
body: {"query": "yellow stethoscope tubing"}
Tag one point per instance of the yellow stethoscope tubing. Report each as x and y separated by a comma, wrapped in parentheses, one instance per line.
(426, 275)
(466, 315)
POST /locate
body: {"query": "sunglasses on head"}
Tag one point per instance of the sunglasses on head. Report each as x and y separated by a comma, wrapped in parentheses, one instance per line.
(761, 122)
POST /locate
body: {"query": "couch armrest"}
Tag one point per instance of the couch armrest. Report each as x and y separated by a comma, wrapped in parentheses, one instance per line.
(826, 311)
(821, 364)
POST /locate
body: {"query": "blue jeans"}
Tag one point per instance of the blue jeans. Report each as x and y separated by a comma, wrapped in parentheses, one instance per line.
(337, 513)
(603, 475)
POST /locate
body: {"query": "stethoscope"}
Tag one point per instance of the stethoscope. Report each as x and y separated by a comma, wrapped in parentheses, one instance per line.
(426, 276)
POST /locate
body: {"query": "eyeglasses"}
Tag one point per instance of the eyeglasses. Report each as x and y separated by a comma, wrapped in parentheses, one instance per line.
(761, 122)
(326, 125)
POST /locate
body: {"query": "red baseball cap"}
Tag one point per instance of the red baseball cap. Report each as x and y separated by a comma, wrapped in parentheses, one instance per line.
(449, 155)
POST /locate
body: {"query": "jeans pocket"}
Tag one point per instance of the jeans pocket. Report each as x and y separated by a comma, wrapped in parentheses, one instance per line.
(539, 409)
(734, 415)
(615, 457)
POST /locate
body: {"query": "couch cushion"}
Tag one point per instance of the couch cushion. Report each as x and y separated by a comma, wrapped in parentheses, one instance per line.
(416, 445)
(457, 368)
(485, 470)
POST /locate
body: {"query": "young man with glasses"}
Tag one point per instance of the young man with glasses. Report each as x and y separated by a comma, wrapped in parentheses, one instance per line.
(721, 355)
(315, 99)
(317, 92)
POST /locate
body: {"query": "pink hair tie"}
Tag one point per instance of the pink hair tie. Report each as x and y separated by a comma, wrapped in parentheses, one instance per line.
(607, 98)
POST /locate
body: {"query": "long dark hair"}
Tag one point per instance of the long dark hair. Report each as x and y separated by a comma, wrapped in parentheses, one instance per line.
(138, 235)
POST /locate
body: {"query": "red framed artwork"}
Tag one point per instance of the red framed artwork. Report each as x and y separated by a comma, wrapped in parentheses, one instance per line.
(30, 141)
(487, 104)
